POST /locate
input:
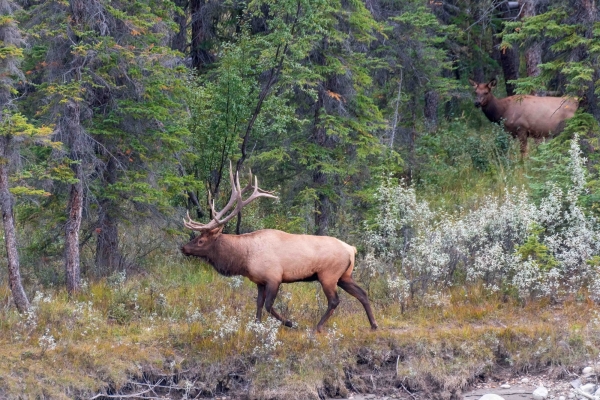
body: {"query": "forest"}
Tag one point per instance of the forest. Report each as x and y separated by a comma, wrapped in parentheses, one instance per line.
(479, 251)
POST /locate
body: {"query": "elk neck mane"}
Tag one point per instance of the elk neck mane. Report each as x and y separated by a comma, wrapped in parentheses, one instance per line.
(228, 254)
(493, 110)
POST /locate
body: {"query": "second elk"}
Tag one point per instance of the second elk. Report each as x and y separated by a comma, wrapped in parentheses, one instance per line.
(525, 116)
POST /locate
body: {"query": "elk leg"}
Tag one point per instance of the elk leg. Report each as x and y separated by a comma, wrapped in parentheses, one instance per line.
(270, 294)
(353, 289)
(332, 302)
(523, 143)
(260, 302)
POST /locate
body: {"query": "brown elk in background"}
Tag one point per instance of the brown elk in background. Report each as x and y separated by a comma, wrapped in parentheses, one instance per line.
(525, 116)
(270, 257)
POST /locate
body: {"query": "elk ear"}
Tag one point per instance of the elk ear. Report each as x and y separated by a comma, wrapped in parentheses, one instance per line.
(216, 231)
(473, 83)
(492, 84)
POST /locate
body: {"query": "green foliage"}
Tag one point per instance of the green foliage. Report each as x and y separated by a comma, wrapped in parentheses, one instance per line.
(16, 126)
(321, 99)
(264, 84)
(533, 249)
(574, 48)
(421, 41)
(27, 136)
(130, 96)
(458, 160)
(551, 160)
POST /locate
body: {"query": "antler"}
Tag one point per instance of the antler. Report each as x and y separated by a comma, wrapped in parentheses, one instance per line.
(218, 218)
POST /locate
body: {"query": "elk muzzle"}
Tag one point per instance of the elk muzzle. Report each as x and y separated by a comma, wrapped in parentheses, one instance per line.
(185, 251)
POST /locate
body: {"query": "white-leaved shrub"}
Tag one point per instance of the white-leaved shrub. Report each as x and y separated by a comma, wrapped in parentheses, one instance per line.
(47, 341)
(508, 243)
(265, 335)
(226, 326)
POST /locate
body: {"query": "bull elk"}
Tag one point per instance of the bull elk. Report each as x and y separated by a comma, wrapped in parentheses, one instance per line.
(269, 257)
(525, 116)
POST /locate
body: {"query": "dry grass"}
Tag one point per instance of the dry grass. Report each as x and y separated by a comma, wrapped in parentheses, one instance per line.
(162, 329)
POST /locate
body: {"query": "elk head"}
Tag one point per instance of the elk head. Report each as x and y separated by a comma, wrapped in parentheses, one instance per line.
(483, 91)
(201, 245)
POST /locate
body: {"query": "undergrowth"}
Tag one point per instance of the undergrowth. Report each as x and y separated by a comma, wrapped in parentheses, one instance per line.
(193, 333)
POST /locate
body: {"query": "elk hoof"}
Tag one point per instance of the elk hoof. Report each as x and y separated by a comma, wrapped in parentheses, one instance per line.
(289, 324)
(374, 327)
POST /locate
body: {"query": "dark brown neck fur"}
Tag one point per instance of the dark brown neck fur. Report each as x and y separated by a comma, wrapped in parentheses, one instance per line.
(227, 257)
(493, 110)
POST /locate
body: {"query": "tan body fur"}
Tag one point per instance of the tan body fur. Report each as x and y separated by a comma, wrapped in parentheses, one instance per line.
(270, 257)
(525, 116)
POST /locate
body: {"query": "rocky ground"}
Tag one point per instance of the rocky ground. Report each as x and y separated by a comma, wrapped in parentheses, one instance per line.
(583, 386)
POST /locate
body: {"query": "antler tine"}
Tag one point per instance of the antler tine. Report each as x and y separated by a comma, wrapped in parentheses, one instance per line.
(232, 199)
(211, 202)
(238, 187)
(213, 212)
(219, 218)
(196, 226)
(249, 185)
(258, 192)
(266, 192)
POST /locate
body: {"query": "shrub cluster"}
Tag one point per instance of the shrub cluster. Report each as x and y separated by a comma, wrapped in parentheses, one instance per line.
(510, 243)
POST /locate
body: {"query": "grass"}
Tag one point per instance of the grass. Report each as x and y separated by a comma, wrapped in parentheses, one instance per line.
(161, 329)
(459, 165)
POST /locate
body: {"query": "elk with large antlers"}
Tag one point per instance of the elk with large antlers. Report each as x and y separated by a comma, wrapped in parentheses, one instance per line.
(270, 257)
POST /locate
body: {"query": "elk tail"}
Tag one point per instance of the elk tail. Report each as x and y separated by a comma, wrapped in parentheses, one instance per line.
(348, 272)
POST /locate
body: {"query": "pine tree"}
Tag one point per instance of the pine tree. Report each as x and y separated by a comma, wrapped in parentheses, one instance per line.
(14, 131)
(111, 85)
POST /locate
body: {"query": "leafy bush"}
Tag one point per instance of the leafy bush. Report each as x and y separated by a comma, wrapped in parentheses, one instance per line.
(509, 243)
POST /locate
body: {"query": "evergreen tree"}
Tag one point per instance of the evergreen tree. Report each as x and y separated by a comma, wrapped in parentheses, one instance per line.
(320, 125)
(14, 130)
(571, 63)
(110, 82)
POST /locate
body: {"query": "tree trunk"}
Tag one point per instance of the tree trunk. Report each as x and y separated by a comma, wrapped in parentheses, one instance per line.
(10, 236)
(74, 132)
(179, 40)
(200, 46)
(533, 55)
(478, 73)
(10, 36)
(451, 106)
(533, 58)
(592, 103)
(108, 258)
(322, 205)
(591, 17)
(432, 100)
(320, 180)
(509, 58)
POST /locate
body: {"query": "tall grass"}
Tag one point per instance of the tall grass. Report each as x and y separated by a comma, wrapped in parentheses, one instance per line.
(196, 334)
